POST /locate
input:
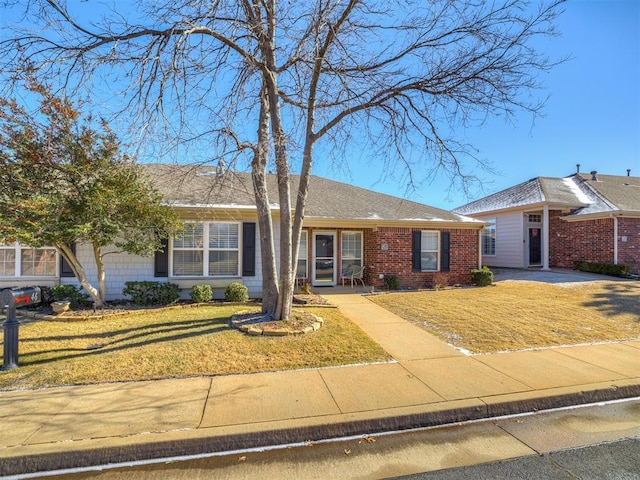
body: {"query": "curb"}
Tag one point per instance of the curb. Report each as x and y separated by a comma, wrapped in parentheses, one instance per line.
(202, 443)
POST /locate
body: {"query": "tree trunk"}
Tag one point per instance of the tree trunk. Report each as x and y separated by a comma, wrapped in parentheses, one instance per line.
(78, 271)
(102, 287)
(270, 87)
(267, 247)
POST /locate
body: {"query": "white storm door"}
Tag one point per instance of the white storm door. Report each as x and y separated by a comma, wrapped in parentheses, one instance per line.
(324, 258)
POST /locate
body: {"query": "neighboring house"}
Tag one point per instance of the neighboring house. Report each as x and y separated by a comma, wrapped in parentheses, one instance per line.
(343, 226)
(552, 222)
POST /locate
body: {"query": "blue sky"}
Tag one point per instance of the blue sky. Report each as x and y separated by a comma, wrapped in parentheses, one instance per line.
(592, 116)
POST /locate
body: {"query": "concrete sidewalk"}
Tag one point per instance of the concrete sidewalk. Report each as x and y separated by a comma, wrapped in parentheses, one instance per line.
(430, 383)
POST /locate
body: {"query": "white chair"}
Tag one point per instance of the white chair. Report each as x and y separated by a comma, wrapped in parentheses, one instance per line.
(353, 273)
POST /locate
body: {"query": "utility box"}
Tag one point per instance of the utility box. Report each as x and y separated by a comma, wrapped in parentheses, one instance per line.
(10, 299)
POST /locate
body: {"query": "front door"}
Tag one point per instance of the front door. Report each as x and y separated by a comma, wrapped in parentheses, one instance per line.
(324, 258)
(535, 246)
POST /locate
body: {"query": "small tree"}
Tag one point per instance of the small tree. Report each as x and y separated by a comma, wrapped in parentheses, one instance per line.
(62, 182)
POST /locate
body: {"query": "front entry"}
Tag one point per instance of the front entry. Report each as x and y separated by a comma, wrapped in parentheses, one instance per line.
(535, 246)
(324, 259)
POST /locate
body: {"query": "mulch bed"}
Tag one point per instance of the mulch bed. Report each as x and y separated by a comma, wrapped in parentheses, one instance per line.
(258, 323)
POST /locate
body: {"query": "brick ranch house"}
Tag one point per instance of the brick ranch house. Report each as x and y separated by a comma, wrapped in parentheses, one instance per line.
(343, 226)
(552, 222)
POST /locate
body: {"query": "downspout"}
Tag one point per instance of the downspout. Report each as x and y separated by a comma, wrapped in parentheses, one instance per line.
(545, 238)
(480, 248)
(615, 239)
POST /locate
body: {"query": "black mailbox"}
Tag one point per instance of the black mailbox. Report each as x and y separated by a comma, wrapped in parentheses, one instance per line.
(10, 298)
(17, 297)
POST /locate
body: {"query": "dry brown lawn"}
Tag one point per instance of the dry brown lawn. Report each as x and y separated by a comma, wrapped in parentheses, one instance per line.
(515, 315)
(175, 343)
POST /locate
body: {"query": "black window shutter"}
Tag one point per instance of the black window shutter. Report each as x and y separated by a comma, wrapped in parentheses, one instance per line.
(445, 251)
(248, 249)
(416, 251)
(65, 268)
(161, 260)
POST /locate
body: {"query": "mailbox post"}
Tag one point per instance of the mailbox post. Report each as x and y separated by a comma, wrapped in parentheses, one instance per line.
(10, 298)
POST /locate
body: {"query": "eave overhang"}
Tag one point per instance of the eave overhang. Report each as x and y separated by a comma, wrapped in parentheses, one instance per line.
(601, 215)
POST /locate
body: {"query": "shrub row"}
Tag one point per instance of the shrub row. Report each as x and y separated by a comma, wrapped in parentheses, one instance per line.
(165, 293)
(603, 268)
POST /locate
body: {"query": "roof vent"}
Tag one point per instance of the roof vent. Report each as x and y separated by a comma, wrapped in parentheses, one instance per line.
(593, 175)
(628, 172)
(577, 168)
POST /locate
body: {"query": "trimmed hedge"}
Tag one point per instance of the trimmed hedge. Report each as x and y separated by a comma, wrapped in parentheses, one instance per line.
(236, 292)
(152, 293)
(482, 277)
(602, 268)
(201, 293)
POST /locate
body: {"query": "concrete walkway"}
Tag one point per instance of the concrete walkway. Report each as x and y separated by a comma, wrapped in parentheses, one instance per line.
(430, 383)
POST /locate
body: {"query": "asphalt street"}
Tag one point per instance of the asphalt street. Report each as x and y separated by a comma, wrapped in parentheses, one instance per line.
(593, 442)
(609, 461)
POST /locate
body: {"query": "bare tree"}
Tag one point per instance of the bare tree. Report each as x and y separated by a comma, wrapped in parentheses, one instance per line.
(272, 79)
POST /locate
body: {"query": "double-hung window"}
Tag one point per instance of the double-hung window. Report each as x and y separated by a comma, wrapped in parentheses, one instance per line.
(7, 260)
(303, 253)
(489, 239)
(22, 261)
(429, 251)
(208, 249)
(351, 250)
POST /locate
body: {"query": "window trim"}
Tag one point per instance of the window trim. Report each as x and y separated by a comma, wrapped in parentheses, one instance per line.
(17, 248)
(303, 258)
(361, 258)
(204, 249)
(424, 250)
(489, 231)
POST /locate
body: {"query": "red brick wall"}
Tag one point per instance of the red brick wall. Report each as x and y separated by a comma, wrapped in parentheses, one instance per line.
(629, 251)
(590, 241)
(396, 260)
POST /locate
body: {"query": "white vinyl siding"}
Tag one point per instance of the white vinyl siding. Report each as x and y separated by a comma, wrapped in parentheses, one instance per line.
(509, 241)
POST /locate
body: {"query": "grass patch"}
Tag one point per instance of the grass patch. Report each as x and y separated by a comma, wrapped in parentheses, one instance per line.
(515, 315)
(175, 343)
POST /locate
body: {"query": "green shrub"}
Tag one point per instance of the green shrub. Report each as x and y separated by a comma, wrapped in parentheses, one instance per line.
(482, 277)
(201, 293)
(236, 292)
(391, 282)
(602, 268)
(70, 293)
(152, 293)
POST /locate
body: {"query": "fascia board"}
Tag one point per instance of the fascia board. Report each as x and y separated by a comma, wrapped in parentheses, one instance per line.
(601, 215)
(367, 223)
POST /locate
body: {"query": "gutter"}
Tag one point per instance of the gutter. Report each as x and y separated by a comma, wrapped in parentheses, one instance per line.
(601, 215)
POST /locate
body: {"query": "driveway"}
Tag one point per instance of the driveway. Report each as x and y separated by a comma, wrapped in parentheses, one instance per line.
(556, 275)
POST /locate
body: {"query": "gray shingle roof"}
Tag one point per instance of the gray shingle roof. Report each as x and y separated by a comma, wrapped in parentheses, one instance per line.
(621, 192)
(609, 193)
(189, 186)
